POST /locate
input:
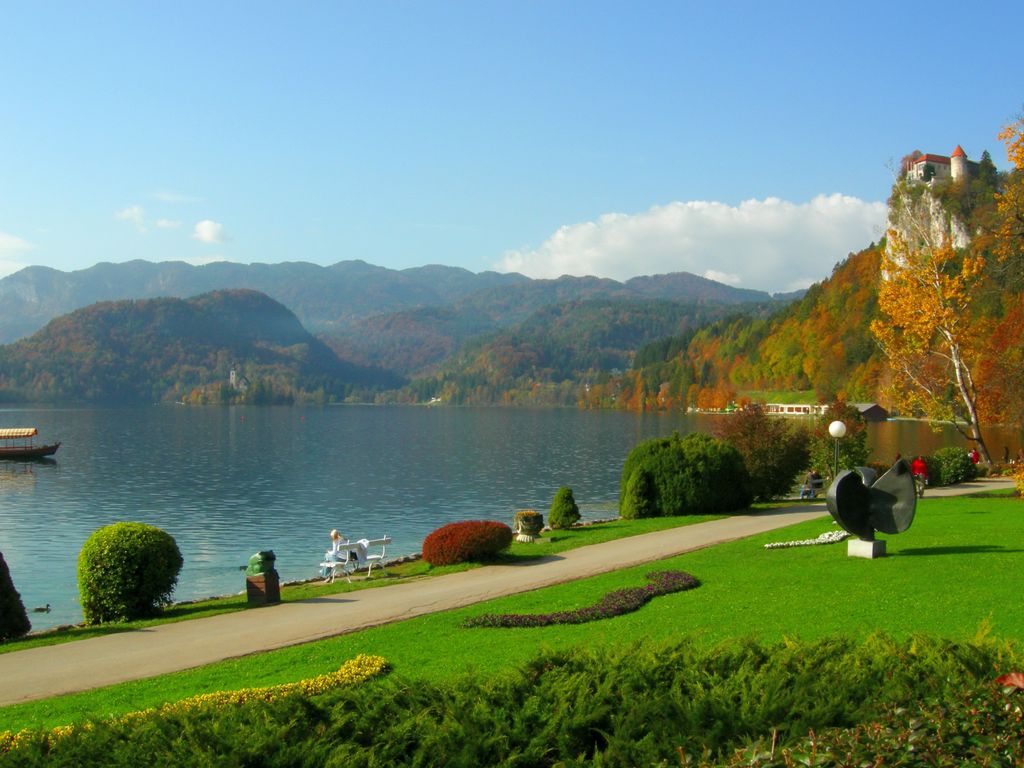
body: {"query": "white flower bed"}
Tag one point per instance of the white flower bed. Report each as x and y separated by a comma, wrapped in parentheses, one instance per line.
(829, 537)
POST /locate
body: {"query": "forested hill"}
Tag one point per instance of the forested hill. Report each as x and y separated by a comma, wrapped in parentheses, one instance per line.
(563, 350)
(335, 299)
(174, 349)
(821, 344)
(416, 341)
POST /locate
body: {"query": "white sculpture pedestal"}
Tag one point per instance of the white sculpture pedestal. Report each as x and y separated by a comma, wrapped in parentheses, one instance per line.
(868, 549)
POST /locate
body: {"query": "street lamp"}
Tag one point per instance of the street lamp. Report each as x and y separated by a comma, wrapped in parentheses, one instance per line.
(837, 429)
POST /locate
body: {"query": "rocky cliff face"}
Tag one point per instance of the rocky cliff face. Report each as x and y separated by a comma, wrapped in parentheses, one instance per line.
(920, 218)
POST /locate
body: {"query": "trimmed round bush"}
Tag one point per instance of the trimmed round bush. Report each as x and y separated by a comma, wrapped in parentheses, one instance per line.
(466, 542)
(953, 465)
(127, 571)
(13, 618)
(564, 510)
(692, 475)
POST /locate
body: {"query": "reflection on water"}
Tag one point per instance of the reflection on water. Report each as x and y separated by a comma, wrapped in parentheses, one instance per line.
(226, 482)
(19, 476)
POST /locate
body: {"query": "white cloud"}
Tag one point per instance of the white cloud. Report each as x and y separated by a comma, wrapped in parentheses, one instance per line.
(769, 244)
(135, 214)
(166, 196)
(10, 267)
(209, 231)
(722, 277)
(11, 246)
(167, 223)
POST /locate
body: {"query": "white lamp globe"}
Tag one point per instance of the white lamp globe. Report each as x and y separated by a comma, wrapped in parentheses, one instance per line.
(837, 429)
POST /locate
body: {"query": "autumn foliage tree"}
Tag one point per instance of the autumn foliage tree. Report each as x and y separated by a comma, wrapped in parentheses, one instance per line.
(774, 449)
(1003, 395)
(951, 326)
(930, 332)
(930, 329)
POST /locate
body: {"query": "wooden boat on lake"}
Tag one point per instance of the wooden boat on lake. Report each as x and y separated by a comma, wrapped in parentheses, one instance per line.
(17, 443)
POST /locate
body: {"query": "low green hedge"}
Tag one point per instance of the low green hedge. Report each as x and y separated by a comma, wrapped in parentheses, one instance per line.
(692, 475)
(643, 704)
(951, 465)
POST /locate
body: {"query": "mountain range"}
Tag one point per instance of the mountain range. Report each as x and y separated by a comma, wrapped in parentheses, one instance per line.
(339, 299)
(127, 331)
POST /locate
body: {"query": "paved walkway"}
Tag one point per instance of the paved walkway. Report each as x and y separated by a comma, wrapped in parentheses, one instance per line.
(38, 673)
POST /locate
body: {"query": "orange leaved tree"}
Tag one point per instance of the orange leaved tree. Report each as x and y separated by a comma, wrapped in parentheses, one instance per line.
(929, 327)
(939, 337)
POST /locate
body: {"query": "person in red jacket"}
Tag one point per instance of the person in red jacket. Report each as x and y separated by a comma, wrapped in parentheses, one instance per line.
(919, 469)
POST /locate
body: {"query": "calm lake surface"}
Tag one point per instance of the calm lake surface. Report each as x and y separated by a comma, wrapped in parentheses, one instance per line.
(227, 482)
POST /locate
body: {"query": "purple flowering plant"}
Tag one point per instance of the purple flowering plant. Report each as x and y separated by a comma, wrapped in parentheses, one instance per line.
(616, 603)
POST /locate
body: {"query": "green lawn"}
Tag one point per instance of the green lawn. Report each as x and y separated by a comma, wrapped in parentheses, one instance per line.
(551, 543)
(794, 396)
(957, 573)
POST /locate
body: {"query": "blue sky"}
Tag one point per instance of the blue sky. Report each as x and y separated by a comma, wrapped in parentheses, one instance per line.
(750, 142)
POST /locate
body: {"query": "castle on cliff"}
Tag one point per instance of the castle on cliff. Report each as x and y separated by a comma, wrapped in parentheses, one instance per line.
(928, 167)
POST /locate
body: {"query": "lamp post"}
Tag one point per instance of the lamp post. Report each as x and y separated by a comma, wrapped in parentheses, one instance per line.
(837, 429)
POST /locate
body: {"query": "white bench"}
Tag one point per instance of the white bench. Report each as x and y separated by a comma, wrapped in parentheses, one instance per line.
(354, 555)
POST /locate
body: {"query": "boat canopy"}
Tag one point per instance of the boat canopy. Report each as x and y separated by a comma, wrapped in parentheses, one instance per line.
(10, 433)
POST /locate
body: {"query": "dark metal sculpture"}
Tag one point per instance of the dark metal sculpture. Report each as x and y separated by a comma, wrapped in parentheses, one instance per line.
(862, 508)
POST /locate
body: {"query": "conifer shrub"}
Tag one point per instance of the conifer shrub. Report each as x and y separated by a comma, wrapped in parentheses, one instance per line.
(979, 725)
(127, 571)
(691, 475)
(952, 465)
(638, 498)
(566, 707)
(13, 618)
(466, 542)
(564, 510)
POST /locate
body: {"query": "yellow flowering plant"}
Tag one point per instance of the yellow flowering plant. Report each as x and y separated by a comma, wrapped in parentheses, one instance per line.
(357, 670)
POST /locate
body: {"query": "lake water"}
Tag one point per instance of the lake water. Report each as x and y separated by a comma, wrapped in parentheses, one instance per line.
(227, 482)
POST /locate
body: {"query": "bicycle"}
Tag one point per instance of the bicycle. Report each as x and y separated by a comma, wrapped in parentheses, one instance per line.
(920, 483)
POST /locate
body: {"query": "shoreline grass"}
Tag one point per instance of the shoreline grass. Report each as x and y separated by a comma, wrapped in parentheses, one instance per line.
(956, 574)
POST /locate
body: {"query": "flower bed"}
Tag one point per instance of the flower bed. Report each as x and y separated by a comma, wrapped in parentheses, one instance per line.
(829, 537)
(353, 671)
(613, 604)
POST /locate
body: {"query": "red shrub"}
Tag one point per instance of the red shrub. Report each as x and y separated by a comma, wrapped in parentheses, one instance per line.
(466, 542)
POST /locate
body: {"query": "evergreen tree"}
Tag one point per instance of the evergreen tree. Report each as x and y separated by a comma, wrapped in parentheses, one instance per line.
(564, 510)
(13, 619)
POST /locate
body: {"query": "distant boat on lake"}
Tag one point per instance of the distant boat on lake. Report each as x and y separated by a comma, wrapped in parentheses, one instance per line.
(17, 443)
